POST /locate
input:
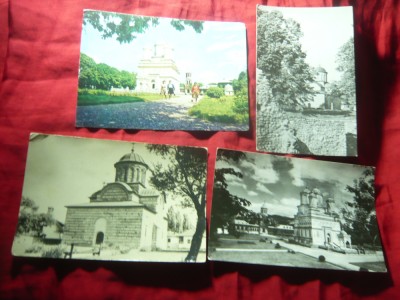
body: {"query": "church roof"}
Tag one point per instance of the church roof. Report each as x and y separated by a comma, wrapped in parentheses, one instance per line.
(108, 204)
(321, 70)
(133, 157)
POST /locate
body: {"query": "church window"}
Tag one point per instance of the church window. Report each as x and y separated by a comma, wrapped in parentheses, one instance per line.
(181, 240)
(153, 84)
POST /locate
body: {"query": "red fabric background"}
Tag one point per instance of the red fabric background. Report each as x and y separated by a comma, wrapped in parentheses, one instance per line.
(39, 54)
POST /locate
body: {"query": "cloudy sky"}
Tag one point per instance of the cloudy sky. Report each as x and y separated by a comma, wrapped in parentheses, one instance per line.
(278, 180)
(217, 53)
(66, 170)
(325, 30)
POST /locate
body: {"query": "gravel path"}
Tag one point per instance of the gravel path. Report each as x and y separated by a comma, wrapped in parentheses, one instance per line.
(168, 114)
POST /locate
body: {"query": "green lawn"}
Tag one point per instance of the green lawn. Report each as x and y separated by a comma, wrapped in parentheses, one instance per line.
(219, 110)
(98, 97)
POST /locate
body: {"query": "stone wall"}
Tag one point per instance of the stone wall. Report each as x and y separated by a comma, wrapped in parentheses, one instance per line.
(293, 132)
(123, 225)
(323, 135)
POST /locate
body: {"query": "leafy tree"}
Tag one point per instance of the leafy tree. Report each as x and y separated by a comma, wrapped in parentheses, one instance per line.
(361, 216)
(241, 83)
(88, 75)
(226, 207)
(345, 87)
(185, 175)
(126, 27)
(29, 221)
(281, 59)
(240, 88)
(177, 222)
(102, 76)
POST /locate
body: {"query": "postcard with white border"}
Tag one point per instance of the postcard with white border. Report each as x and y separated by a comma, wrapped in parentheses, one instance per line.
(306, 91)
(283, 211)
(112, 200)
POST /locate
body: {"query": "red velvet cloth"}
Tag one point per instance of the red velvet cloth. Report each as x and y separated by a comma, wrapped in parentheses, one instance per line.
(39, 56)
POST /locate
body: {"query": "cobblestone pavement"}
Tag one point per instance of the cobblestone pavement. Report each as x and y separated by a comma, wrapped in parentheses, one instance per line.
(168, 114)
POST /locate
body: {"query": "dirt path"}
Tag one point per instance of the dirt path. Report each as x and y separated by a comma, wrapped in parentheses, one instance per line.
(167, 114)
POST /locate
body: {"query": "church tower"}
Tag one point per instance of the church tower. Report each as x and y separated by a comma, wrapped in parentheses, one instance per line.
(264, 210)
(131, 169)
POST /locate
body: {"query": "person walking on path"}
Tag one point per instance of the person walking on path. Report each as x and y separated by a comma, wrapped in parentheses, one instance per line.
(195, 92)
(163, 90)
(171, 89)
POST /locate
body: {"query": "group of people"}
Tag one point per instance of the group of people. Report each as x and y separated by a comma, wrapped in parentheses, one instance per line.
(167, 90)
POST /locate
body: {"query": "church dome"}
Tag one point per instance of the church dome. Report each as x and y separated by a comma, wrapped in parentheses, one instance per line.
(132, 157)
(316, 191)
(321, 70)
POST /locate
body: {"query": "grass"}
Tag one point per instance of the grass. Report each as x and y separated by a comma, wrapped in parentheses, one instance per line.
(99, 97)
(219, 110)
(281, 258)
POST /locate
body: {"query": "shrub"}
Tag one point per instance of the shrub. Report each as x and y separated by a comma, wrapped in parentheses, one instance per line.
(215, 92)
(53, 253)
(34, 249)
(277, 246)
(321, 258)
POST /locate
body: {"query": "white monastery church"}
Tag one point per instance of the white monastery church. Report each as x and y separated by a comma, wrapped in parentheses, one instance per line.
(157, 65)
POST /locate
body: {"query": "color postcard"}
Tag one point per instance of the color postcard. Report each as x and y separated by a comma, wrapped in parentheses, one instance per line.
(139, 72)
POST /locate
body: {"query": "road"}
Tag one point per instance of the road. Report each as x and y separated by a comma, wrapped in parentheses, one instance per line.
(166, 114)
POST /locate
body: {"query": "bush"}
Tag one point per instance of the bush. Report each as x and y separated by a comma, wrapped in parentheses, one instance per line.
(53, 253)
(321, 258)
(215, 92)
(277, 246)
(34, 249)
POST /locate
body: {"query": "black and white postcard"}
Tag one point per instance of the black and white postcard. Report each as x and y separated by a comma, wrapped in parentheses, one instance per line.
(140, 72)
(306, 93)
(281, 211)
(111, 200)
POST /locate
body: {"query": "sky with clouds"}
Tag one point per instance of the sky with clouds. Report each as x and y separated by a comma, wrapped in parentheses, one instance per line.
(218, 53)
(65, 170)
(277, 181)
(325, 30)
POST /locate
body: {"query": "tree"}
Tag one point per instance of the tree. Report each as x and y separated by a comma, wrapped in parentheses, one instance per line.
(185, 175)
(29, 221)
(126, 27)
(226, 207)
(240, 84)
(345, 87)
(240, 88)
(102, 76)
(361, 217)
(281, 59)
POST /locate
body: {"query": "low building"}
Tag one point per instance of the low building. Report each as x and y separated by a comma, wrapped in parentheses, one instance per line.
(245, 227)
(183, 240)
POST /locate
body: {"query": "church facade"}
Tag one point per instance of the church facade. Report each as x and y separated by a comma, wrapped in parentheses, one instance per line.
(123, 213)
(156, 67)
(315, 223)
